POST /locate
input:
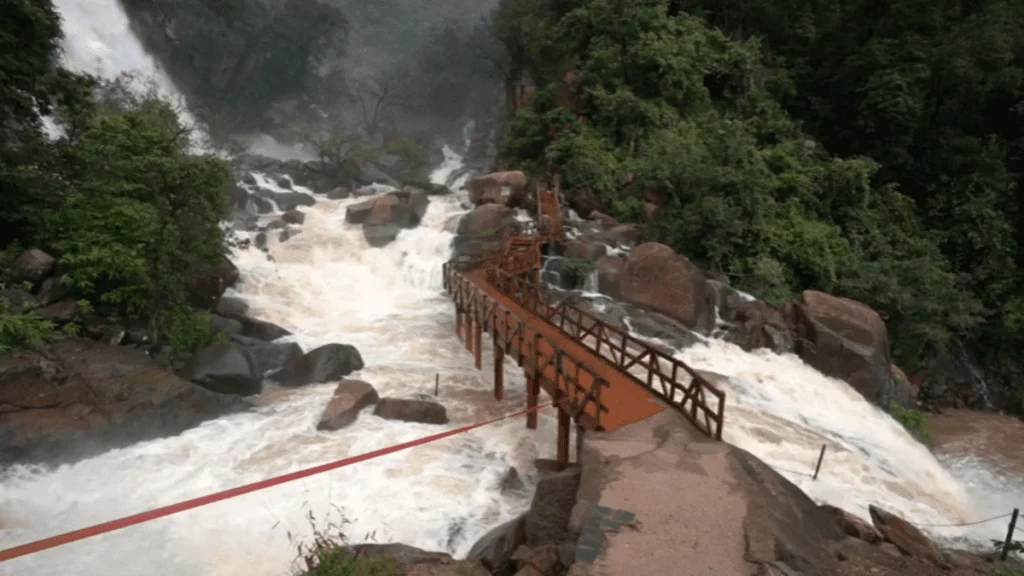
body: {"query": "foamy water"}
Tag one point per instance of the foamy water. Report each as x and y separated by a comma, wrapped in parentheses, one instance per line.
(326, 285)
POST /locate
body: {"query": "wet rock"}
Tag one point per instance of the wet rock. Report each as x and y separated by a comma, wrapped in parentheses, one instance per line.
(59, 312)
(429, 188)
(350, 397)
(50, 291)
(277, 225)
(548, 518)
(495, 549)
(853, 525)
(287, 201)
(579, 250)
(222, 324)
(605, 221)
(380, 234)
(263, 205)
(324, 364)
(422, 411)
(482, 232)
(847, 340)
(658, 279)
(903, 390)
(261, 241)
(102, 330)
(621, 236)
(32, 266)
(511, 482)
(559, 272)
(18, 299)
(262, 330)
(339, 193)
(231, 307)
(489, 189)
(286, 235)
(284, 182)
(359, 212)
(584, 201)
(75, 397)
(541, 559)
(609, 275)
(249, 179)
(756, 324)
(212, 282)
(226, 369)
(271, 356)
(907, 537)
(294, 217)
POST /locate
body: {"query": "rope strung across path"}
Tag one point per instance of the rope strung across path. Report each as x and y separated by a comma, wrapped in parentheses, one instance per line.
(113, 525)
(967, 524)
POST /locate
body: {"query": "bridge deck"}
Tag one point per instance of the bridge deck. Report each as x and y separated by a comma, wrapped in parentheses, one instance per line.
(626, 400)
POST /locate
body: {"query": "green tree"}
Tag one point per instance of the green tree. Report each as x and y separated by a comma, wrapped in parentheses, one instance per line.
(140, 217)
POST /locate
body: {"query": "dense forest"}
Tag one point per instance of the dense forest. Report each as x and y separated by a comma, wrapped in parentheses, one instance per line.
(109, 189)
(867, 149)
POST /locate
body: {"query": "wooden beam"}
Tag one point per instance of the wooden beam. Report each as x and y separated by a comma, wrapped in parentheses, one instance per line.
(499, 371)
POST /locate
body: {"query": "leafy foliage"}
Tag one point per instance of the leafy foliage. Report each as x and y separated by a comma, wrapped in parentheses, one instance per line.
(187, 329)
(112, 193)
(914, 421)
(918, 216)
(24, 331)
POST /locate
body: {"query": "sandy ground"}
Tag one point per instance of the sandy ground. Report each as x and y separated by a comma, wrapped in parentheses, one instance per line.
(689, 513)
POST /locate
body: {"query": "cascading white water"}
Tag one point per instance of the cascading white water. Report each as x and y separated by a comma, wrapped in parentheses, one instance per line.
(327, 285)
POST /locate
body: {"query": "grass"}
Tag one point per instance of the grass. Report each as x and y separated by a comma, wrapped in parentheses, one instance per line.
(915, 421)
(329, 555)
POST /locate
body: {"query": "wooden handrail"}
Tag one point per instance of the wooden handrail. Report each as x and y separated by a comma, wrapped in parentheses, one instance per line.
(559, 369)
(624, 351)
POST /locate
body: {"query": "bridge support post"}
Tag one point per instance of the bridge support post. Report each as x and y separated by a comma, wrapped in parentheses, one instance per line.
(564, 428)
(469, 332)
(499, 372)
(531, 401)
(458, 322)
(477, 337)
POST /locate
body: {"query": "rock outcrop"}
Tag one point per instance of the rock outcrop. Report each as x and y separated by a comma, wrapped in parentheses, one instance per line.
(482, 232)
(349, 398)
(227, 368)
(847, 340)
(212, 282)
(327, 363)
(75, 397)
(489, 189)
(907, 537)
(408, 410)
(656, 278)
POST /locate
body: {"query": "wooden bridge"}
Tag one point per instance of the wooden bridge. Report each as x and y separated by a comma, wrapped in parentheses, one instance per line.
(599, 376)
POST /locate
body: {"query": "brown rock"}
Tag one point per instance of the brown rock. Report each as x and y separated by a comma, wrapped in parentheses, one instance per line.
(853, 525)
(543, 559)
(553, 501)
(603, 219)
(904, 535)
(494, 550)
(482, 232)
(423, 411)
(488, 189)
(358, 213)
(511, 482)
(577, 249)
(212, 282)
(756, 324)
(32, 266)
(113, 394)
(584, 201)
(657, 278)
(50, 291)
(350, 397)
(59, 312)
(609, 274)
(845, 339)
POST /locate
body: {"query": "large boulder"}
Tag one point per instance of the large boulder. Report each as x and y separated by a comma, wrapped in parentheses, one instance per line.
(547, 521)
(391, 213)
(609, 274)
(75, 397)
(489, 189)
(349, 398)
(227, 368)
(658, 279)
(32, 266)
(212, 282)
(324, 364)
(622, 236)
(407, 410)
(18, 299)
(847, 340)
(756, 324)
(853, 525)
(262, 330)
(272, 356)
(59, 312)
(482, 232)
(904, 535)
(358, 213)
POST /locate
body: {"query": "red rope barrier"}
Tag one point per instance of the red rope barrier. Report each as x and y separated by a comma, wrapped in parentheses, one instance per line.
(113, 525)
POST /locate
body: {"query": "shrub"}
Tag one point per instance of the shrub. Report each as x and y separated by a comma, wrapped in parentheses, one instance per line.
(915, 421)
(189, 329)
(23, 331)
